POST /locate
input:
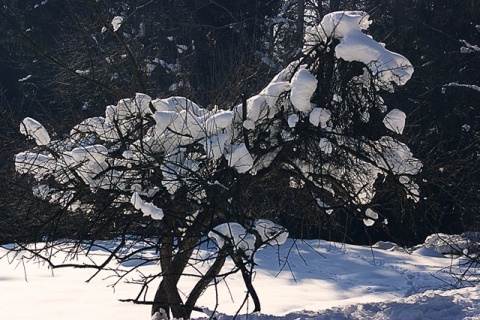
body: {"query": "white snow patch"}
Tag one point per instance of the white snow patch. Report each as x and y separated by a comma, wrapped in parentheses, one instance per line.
(303, 85)
(236, 235)
(181, 48)
(148, 208)
(320, 116)
(292, 120)
(271, 94)
(371, 217)
(82, 72)
(348, 26)
(25, 78)
(34, 129)
(325, 145)
(117, 22)
(395, 121)
(469, 86)
(270, 232)
(323, 280)
(239, 158)
(249, 124)
(469, 48)
(218, 121)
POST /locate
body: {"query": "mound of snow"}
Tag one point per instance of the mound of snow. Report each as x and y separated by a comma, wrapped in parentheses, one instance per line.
(452, 244)
(433, 304)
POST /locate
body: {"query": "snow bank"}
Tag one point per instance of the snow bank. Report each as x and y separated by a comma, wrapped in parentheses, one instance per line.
(453, 244)
(460, 304)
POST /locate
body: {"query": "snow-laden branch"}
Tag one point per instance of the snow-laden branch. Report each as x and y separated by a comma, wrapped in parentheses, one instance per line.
(469, 48)
(157, 148)
(355, 45)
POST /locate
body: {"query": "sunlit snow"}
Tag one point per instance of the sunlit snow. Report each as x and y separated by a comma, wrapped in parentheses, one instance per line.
(236, 235)
(34, 129)
(117, 22)
(370, 217)
(395, 121)
(303, 85)
(148, 208)
(311, 280)
(320, 117)
(347, 26)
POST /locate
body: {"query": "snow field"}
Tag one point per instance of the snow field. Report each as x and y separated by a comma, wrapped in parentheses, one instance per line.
(318, 280)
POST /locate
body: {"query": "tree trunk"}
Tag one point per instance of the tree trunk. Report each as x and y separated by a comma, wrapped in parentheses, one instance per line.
(168, 298)
(173, 262)
(202, 284)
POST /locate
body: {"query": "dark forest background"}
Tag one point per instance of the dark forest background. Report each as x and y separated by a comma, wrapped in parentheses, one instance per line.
(58, 65)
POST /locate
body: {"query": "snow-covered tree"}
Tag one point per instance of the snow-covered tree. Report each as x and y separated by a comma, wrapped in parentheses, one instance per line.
(180, 173)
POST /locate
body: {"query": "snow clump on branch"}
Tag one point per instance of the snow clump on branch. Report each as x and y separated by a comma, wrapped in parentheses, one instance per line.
(263, 232)
(347, 27)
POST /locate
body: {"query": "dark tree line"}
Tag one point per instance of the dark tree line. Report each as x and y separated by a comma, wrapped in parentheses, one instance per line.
(217, 51)
(440, 38)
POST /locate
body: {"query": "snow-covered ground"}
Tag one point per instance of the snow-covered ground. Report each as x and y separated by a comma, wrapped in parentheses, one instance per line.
(319, 280)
